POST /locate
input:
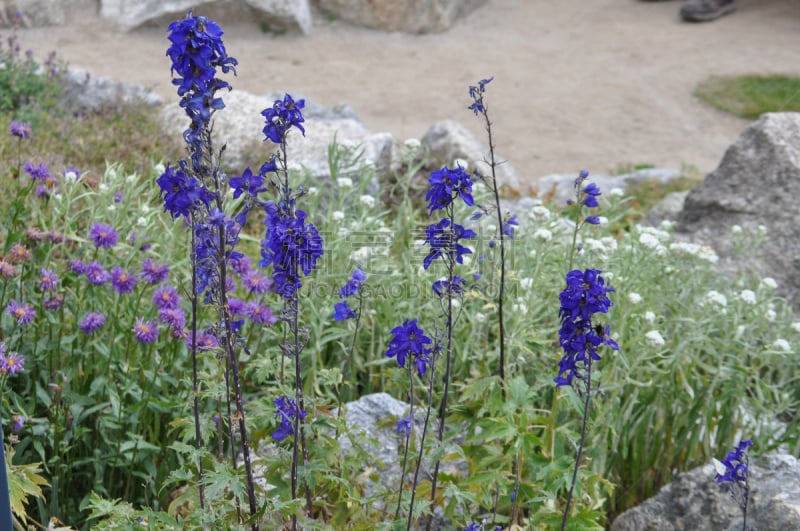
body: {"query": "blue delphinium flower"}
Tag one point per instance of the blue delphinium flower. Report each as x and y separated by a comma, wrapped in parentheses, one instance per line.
(476, 93)
(510, 224)
(734, 473)
(286, 413)
(247, 182)
(447, 184)
(290, 245)
(405, 424)
(343, 312)
(459, 285)
(580, 335)
(281, 117)
(182, 194)
(444, 241)
(410, 340)
(735, 464)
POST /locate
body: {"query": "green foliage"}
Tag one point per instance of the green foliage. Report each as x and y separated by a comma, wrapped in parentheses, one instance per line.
(749, 96)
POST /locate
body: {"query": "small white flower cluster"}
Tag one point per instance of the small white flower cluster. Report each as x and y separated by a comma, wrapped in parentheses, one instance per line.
(543, 234)
(717, 298)
(520, 307)
(782, 345)
(704, 252)
(344, 182)
(769, 282)
(655, 338)
(602, 248)
(367, 200)
(539, 214)
(526, 283)
(634, 297)
(651, 238)
(650, 317)
(747, 296)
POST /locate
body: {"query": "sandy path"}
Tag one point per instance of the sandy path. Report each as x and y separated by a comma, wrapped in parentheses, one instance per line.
(578, 83)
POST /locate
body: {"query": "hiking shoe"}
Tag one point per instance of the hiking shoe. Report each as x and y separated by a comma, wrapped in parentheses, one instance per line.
(706, 10)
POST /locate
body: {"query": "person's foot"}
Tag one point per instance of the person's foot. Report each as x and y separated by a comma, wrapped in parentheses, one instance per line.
(706, 10)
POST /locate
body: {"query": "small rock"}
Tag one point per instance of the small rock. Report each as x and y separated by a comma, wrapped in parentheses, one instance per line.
(84, 92)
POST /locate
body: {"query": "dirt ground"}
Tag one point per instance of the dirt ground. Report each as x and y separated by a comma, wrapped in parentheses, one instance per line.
(593, 84)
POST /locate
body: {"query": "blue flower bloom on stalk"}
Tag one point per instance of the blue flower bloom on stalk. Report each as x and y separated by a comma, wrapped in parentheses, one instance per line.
(444, 242)
(410, 340)
(286, 413)
(405, 424)
(441, 287)
(281, 117)
(510, 224)
(182, 194)
(248, 183)
(341, 310)
(446, 185)
(196, 53)
(735, 464)
(734, 473)
(291, 245)
(476, 93)
(580, 335)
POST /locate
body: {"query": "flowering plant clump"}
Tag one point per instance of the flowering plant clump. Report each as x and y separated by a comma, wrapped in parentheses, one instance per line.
(734, 473)
(581, 334)
(409, 340)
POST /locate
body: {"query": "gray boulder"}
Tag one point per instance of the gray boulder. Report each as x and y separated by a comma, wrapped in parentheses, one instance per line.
(83, 92)
(410, 16)
(294, 15)
(560, 187)
(695, 501)
(448, 140)
(36, 13)
(239, 125)
(756, 184)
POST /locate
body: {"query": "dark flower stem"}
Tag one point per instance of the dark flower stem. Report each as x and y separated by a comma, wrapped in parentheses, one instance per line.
(408, 440)
(425, 425)
(501, 293)
(195, 394)
(586, 405)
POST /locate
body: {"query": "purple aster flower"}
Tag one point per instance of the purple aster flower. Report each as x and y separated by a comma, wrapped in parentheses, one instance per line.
(166, 298)
(146, 332)
(53, 303)
(410, 340)
(281, 117)
(287, 411)
(205, 340)
(18, 254)
(11, 363)
(154, 273)
(253, 282)
(92, 322)
(38, 173)
(405, 424)
(55, 236)
(354, 284)
(237, 307)
(20, 129)
(123, 282)
(343, 312)
(103, 236)
(175, 318)
(7, 270)
(17, 422)
(241, 265)
(96, 273)
(21, 311)
(35, 235)
(260, 314)
(77, 266)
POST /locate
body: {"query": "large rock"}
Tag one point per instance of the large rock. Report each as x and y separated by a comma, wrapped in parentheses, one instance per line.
(83, 92)
(288, 14)
(448, 140)
(695, 501)
(756, 184)
(410, 16)
(239, 125)
(36, 13)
